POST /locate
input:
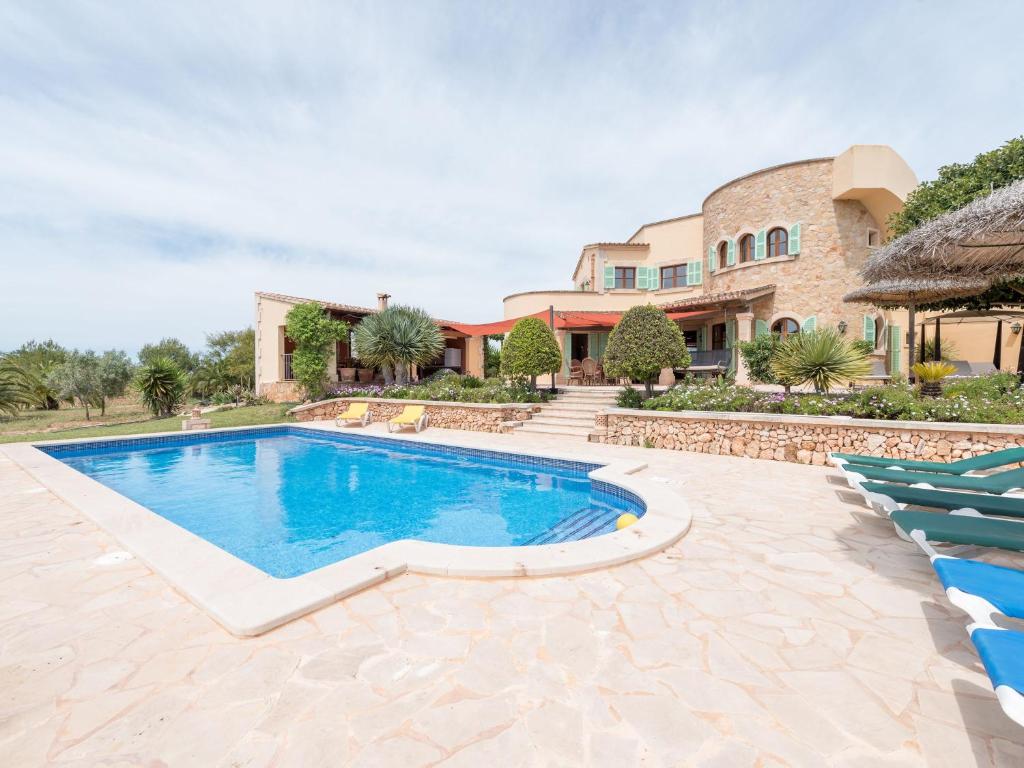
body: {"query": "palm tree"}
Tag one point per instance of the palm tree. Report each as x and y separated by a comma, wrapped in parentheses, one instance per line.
(15, 388)
(398, 337)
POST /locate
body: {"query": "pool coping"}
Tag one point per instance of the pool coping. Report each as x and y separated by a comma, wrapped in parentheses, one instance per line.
(248, 602)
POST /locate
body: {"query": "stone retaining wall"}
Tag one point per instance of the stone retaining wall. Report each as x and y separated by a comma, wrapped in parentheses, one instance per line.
(476, 417)
(801, 439)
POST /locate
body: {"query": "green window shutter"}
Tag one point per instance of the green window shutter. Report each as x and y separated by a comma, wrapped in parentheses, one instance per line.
(895, 347)
(700, 338)
(730, 334)
(609, 278)
(794, 239)
(809, 324)
(641, 278)
(711, 258)
(761, 328)
(694, 272)
(730, 254)
(869, 328)
(760, 245)
(566, 352)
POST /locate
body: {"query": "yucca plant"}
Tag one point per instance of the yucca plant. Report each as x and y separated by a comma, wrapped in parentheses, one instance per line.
(822, 357)
(162, 386)
(397, 338)
(931, 374)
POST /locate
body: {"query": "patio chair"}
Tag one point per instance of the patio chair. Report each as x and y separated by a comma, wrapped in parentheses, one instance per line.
(355, 412)
(576, 375)
(962, 467)
(998, 482)
(589, 370)
(411, 416)
(886, 498)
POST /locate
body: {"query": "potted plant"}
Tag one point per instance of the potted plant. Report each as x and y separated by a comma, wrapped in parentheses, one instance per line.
(365, 374)
(931, 375)
(347, 370)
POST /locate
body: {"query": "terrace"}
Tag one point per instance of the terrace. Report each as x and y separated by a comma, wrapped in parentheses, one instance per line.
(790, 626)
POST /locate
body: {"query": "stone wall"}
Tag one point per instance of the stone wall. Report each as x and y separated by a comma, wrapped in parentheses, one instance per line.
(801, 439)
(476, 417)
(281, 391)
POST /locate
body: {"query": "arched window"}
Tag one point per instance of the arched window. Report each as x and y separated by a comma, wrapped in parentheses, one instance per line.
(746, 248)
(777, 242)
(786, 326)
(723, 254)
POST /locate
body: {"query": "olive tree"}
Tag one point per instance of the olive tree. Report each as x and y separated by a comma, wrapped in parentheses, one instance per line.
(115, 371)
(530, 349)
(77, 379)
(314, 332)
(642, 343)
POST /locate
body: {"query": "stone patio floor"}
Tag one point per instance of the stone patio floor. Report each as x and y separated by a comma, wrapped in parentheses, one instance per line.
(790, 627)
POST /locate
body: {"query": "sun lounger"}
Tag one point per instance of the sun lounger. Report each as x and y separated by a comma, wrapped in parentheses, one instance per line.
(356, 412)
(992, 460)
(411, 416)
(998, 482)
(886, 498)
(1002, 653)
(925, 527)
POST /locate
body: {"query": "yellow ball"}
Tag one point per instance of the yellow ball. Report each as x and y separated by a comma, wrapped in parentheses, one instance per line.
(625, 521)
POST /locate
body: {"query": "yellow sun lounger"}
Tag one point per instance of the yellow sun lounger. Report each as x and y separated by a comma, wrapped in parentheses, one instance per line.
(411, 416)
(356, 412)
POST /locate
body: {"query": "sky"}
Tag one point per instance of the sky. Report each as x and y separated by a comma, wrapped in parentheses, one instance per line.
(160, 162)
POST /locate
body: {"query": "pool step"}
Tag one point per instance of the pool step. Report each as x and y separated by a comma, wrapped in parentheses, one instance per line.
(583, 524)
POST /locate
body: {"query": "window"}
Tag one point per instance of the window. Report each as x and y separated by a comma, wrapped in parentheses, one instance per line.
(691, 340)
(786, 326)
(625, 277)
(674, 276)
(873, 238)
(879, 331)
(777, 242)
(723, 254)
(746, 248)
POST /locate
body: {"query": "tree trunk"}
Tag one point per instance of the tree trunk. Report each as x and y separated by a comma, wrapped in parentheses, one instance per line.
(649, 387)
(389, 377)
(533, 383)
(86, 404)
(401, 374)
(103, 406)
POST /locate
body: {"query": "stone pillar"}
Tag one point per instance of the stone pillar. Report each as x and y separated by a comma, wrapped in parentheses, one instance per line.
(744, 332)
(563, 338)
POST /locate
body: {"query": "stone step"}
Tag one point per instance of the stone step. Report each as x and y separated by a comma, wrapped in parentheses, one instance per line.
(553, 429)
(566, 421)
(584, 399)
(578, 412)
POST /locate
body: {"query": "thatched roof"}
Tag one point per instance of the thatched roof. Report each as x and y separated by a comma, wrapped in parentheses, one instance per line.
(909, 290)
(985, 238)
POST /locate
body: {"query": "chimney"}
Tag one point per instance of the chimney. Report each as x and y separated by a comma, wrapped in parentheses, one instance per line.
(382, 301)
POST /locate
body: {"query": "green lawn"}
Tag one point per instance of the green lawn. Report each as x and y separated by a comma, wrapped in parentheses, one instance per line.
(129, 420)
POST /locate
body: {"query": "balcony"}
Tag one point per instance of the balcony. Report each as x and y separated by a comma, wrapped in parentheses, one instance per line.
(288, 375)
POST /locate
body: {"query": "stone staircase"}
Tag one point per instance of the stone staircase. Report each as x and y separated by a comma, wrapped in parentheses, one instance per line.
(572, 412)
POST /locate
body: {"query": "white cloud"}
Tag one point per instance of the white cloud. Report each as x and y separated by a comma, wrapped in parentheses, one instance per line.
(158, 164)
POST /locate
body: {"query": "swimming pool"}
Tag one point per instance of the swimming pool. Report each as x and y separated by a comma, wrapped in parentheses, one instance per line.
(289, 500)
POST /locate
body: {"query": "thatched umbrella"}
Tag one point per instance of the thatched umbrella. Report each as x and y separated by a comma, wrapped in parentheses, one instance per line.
(985, 238)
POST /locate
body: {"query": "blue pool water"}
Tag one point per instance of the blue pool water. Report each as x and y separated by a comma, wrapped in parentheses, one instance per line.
(290, 500)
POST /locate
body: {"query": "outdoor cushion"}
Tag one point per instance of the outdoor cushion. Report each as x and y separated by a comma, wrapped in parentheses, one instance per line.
(962, 529)
(986, 504)
(986, 461)
(1003, 587)
(998, 482)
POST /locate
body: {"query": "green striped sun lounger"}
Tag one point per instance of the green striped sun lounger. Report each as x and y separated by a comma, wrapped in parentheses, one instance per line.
(992, 460)
(998, 482)
(886, 498)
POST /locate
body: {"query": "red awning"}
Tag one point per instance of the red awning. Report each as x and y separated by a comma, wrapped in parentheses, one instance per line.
(563, 321)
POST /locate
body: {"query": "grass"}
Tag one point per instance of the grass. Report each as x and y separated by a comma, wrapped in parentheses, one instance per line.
(125, 418)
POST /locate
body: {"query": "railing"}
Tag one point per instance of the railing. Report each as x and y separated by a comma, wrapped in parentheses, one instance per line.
(720, 357)
(288, 375)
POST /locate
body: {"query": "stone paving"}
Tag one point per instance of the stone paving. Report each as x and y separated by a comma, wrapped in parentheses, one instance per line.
(790, 627)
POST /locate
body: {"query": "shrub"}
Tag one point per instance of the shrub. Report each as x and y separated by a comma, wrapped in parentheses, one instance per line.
(15, 388)
(757, 356)
(932, 371)
(642, 343)
(398, 338)
(36, 360)
(171, 349)
(821, 357)
(530, 350)
(314, 332)
(629, 398)
(162, 386)
(450, 388)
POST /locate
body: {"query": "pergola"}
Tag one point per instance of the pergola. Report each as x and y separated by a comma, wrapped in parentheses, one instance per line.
(971, 258)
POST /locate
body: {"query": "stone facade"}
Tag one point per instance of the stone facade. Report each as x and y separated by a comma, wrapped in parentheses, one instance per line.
(801, 439)
(281, 391)
(833, 245)
(475, 417)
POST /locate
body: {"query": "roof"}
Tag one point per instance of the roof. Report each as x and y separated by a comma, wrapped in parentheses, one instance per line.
(350, 308)
(746, 294)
